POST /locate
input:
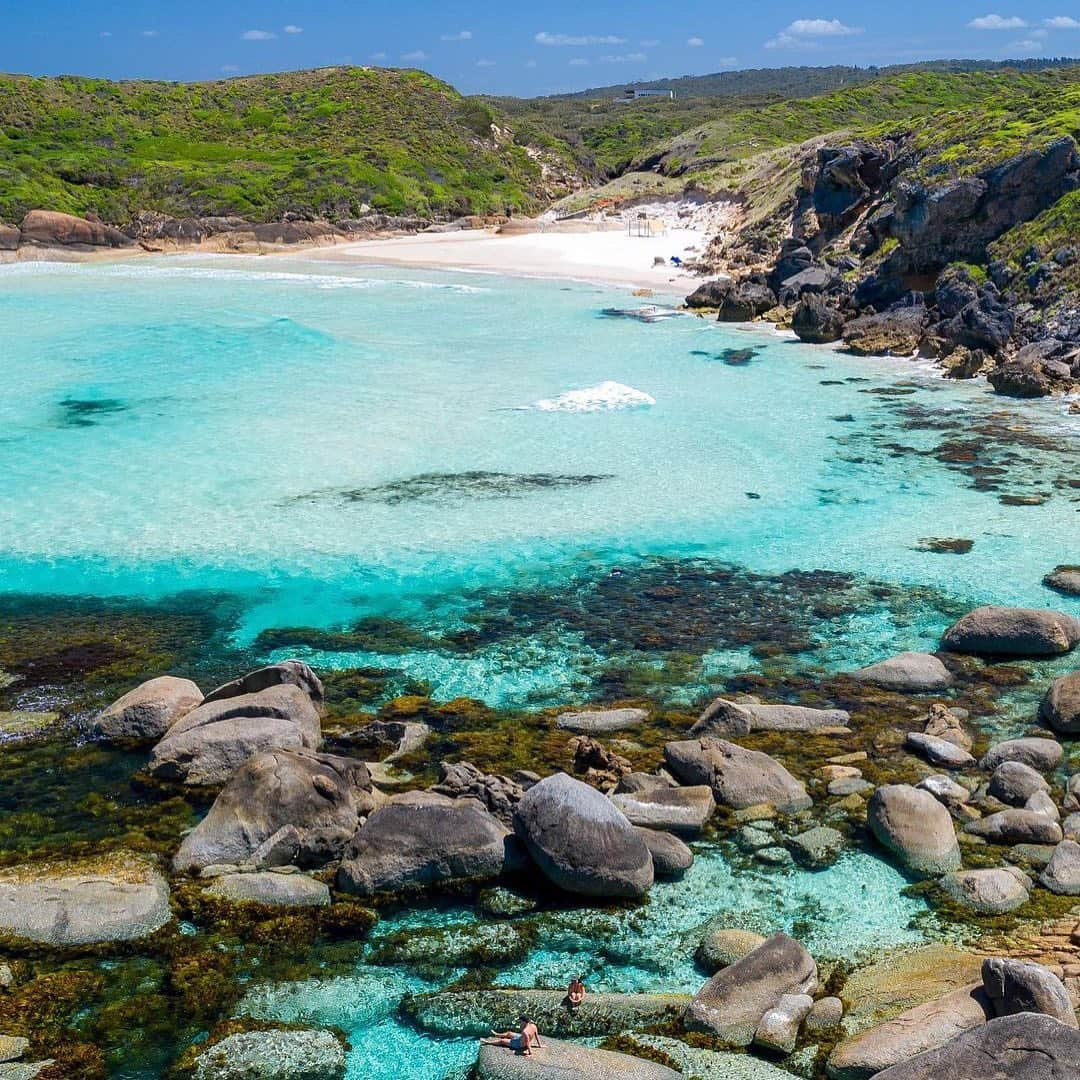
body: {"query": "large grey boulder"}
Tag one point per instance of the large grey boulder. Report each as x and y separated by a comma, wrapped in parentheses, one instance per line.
(208, 745)
(1006, 631)
(907, 673)
(563, 1061)
(915, 827)
(1018, 986)
(420, 840)
(311, 803)
(938, 751)
(1060, 708)
(1022, 1047)
(149, 710)
(1014, 783)
(272, 889)
(670, 856)
(738, 777)
(994, 891)
(83, 903)
(474, 1012)
(914, 1031)
(272, 1055)
(724, 717)
(1062, 872)
(287, 673)
(1043, 755)
(602, 721)
(1064, 579)
(1016, 827)
(682, 810)
(732, 1003)
(581, 841)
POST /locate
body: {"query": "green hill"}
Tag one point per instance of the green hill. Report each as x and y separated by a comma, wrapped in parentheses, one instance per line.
(325, 143)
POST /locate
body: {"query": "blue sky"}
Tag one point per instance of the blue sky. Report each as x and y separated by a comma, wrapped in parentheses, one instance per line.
(520, 48)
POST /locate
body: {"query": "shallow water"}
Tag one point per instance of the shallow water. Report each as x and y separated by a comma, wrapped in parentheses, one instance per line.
(330, 442)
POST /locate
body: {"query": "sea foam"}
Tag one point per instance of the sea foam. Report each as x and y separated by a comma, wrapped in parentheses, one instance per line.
(604, 397)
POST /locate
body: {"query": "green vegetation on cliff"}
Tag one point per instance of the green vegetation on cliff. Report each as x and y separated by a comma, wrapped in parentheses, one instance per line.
(323, 142)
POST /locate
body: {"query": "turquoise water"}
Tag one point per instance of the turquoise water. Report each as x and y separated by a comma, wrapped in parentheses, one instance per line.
(258, 426)
(852, 910)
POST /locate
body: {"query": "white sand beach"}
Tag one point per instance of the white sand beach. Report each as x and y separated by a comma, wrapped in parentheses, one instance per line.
(581, 253)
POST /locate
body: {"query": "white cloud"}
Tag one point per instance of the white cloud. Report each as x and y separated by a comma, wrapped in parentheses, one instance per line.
(1039, 35)
(695, 42)
(1026, 46)
(728, 61)
(649, 43)
(1062, 22)
(415, 56)
(377, 56)
(105, 33)
(625, 58)
(292, 29)
(579, 61)
(258, 35)
(150, 33)
(485, 63)
(804, 33)
(544, 38)
(229, 69)
(998, 22)
(461, 35)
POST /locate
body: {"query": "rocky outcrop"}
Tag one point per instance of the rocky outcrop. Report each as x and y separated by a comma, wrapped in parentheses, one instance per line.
(1064, 579)
(282, 807)
(287, 673)
(1023, 1047)
(421, 840)
(738, 777)
(463, 780)
(602, 721)
(148, 711)
(731, 1004)
(1038, 369)
(915, 827)
(907, 673)
(559, 1060)
(83, 903)
(896, 332)
(50, 228)
(1005, 631)
(271, 889)
(734, 301)
(1040, 754)
(581, 841)
(683, 810)
(474, 1012)
(211, 742)
(1060, 708)
(817, 321)
(1018, 986)
(1016, 827)
(272, 1055)
(724, 717)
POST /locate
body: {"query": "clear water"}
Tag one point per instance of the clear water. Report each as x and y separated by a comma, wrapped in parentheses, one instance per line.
(194, 423)
(851, 910)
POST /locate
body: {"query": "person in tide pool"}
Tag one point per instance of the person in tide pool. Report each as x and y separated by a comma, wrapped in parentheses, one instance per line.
(520, 1042)
(575, 992)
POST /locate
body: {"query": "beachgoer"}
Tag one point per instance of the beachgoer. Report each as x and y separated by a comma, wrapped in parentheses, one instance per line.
(520, 1042)
(575, 992)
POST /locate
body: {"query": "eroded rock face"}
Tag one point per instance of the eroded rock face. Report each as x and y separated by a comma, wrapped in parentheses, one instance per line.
(896, 332)
(211, 742)
(732, 1003)
(559, 1060)
(273, 1055)
(738, 777)
(581, 841)
(683, 810)
(313, 802)
(149, 710)
(816, 321)
(83, 903)
(1005, 631)
(907, 673)
(1060, 709)
(422, 839)
(915, 827)
(1023, 1047)
(1017, 986)
(50, 228)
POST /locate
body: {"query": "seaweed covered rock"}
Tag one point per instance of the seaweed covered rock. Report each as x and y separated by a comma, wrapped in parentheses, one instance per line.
(915, 827)
(907, 673)
(423, 839)
(559, 1060)
(209, 744)
(82, 903)
(271, 889)
(738, 777)
(1023, 1047)
(1006, 631)
(272, 1055)
(281, 807)
(581, 841)
(731, 1004)
(149, 710)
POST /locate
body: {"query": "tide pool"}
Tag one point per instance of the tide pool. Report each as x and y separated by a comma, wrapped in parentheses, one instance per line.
(330, 443)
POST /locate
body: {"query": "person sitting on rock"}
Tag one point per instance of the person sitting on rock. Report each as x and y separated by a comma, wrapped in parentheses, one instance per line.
(520, 1042)
(575, 992)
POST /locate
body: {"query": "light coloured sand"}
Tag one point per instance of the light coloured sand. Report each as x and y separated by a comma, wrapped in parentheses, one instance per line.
(610, 257)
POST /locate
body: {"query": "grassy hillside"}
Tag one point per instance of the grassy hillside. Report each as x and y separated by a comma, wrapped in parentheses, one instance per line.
(320, 142)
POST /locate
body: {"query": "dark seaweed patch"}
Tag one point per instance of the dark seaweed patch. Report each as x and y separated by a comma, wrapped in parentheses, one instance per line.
(88, 412)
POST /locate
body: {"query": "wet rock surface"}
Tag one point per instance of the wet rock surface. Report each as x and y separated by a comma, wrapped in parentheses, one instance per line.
(273, 1055)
